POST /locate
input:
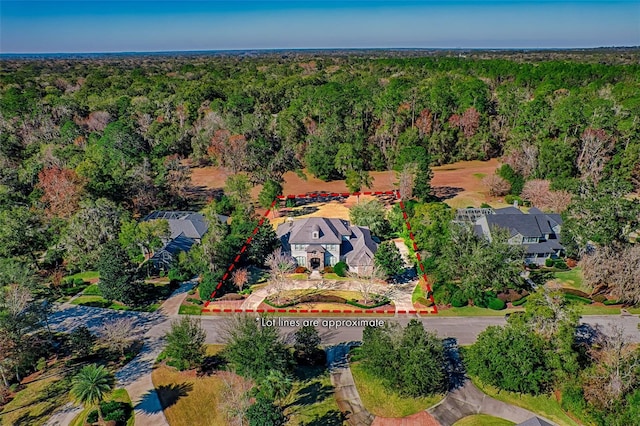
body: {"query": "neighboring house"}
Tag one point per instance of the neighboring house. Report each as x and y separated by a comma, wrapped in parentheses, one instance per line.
(537, 231)
(187, 228)
(317, 242)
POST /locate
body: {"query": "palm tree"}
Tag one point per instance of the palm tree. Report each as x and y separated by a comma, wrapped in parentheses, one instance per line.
(91, 385)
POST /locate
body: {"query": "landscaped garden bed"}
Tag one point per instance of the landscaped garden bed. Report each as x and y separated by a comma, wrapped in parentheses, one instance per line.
(313, 298)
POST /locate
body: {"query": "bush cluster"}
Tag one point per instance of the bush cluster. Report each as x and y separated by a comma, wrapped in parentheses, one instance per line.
(341, 269)
(497, 304)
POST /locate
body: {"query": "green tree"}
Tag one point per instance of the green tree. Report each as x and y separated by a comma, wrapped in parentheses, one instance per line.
(306, 345)
(512, 358)
(389, 259)
(371, 214)
(431, 225)
(142, 238)
(516, 180)
(264, 412)
(116, 276)
(238, 189)
(419, 161)
(91, 385)
(356, 180)
(185, 342)
(254, 348)
(270, 190)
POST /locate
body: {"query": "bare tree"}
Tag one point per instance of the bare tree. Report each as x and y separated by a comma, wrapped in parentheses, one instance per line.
(595, 152)
(559, 201)
(406, 180)
(117, 334)
(614, 270)
(15, 299)
(536, 191)
(497, 186)
(235, 398)
(367, 281)
(280, 264)
(615, 372)
(240, 277)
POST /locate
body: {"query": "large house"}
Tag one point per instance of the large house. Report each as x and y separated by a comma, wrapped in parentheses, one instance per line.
(537, 231)
(187, 228)
(317, 242)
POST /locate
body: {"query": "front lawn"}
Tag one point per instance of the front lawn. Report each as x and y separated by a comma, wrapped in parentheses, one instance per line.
(482, 420)
(474, 311)
(120, 395)
(312, 400)
(155, 292)
(190, 400)
(545, 405)
(36, 402)
(190, 309)
(86, 276)
(313, 298)
(378, 399)
(571, 278)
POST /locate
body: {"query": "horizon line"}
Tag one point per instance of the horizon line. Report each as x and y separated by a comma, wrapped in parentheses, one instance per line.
(288, 49)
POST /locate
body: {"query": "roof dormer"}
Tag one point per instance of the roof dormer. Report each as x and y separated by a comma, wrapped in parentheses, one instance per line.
(315, 232)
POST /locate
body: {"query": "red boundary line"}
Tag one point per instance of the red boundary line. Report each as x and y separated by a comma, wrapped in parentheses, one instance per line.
(264, 219)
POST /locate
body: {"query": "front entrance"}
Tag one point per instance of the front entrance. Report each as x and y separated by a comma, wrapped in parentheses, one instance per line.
(314, 263)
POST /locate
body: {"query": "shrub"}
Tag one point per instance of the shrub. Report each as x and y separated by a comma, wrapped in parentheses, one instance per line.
(519, 302)
(328, 269)
(600, 298)
(194, 301)
(573, 298)
(341, 269)
(176, 274)
(611, 302)
(377, 302)
(497, 304)
(92, 417)
(458, 299)
(509, 199)
(424, 301)
(559, 263)
(232, 296)
(208, 285)
(301, 270)
(548, 262)
(115, 411)
(41, 365)
(78, 282)
(81, 341)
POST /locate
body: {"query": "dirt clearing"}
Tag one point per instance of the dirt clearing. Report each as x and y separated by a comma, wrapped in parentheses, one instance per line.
(459, 184)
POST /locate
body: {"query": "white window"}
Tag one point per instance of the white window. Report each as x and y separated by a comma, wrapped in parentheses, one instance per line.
(332, 260)
(301, 261)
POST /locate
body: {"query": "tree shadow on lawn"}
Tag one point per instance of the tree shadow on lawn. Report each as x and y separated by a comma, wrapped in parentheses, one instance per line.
(211, 364)
(330, 418)
(168, 396)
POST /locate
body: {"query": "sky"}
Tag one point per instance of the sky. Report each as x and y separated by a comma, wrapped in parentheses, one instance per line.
(142, 26)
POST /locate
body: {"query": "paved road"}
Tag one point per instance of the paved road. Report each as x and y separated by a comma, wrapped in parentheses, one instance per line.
(464, 329)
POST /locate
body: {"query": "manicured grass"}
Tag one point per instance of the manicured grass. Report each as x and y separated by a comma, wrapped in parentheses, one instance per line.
(190, 400)
(189, 309)
(92, 290)
(86, 275)
(572, 278)
(311, 400)
(34, 404)
(382, 401)
(120, 395)
(593, 309)
(298, 276)
(474, 311)
(482, 420)
(418, 292)
(545, 405)
(334, 276)
(98, 301)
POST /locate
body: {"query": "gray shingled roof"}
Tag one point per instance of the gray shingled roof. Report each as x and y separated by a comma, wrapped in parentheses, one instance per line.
(507, 210)
(190, 224)
(528, 225)
(178, 244)
(358, 248)
(535, 421)
(301, 231)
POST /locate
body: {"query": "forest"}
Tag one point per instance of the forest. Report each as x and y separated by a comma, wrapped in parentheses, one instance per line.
(89, 145)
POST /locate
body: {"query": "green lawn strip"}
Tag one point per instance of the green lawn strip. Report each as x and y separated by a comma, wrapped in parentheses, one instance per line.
(378, 399)
(634, 311)
(34, 404)
(86, 275)
(474, 311)
(418, 292)
(189, 309)
(482, 420)
(120, 395)
(312, 400)
(593, 309)
(572, 278)
(92, 290)
(544, 405)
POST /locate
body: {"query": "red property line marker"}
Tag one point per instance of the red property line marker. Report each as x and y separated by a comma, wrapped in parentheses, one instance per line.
(264, 220)
(418, 256)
